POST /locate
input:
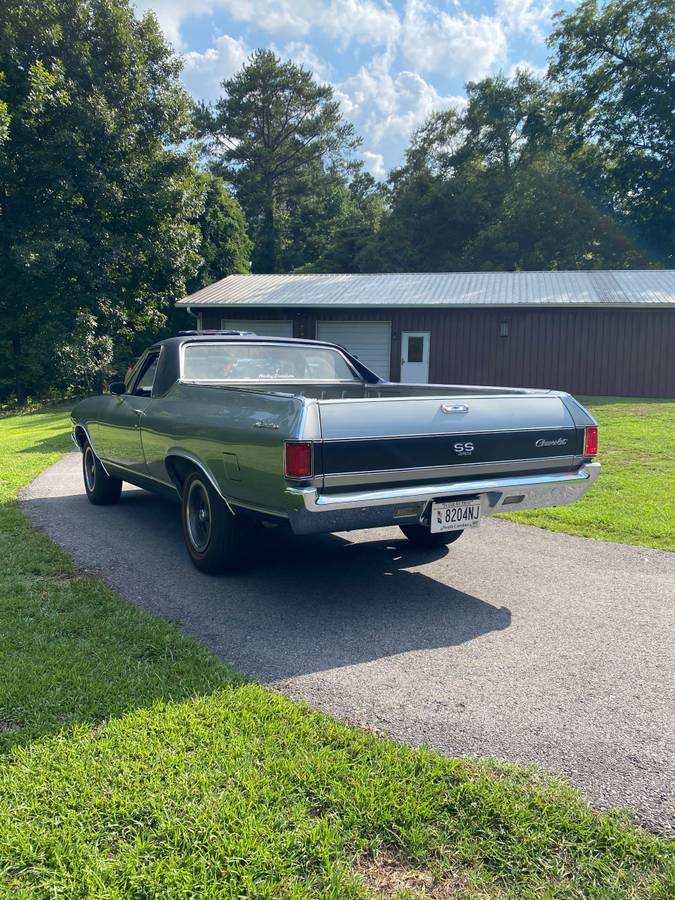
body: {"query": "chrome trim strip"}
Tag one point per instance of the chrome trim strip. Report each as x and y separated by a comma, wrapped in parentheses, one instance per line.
(446, 434)
(485, 394)
(338, 478)
(315, 502)
(144, 475)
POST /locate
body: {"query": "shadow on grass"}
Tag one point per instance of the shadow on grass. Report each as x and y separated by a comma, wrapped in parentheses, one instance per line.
(56, 443)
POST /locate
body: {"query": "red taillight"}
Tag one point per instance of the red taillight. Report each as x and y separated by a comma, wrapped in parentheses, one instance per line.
(298, 462)
(591, 441)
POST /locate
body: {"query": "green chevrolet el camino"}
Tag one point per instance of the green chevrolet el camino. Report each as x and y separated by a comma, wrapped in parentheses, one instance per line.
(246, 430)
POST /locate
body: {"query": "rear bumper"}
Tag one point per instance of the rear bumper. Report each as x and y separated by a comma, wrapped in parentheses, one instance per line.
(315, 512)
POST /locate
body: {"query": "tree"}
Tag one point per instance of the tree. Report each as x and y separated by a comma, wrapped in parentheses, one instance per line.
(457, 170)
(614, 67)
(546, 220)
(506, 121)
(497, 186)
(354, 220)
(225, 247)
(97, 206)
(275, 132)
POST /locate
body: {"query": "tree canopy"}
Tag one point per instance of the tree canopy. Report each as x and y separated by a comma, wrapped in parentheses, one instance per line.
(225, 246)
(498, 186)
(97, 206)
(614, 68)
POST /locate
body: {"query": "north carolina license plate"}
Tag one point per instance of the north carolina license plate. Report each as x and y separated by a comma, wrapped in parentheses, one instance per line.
(455, 514)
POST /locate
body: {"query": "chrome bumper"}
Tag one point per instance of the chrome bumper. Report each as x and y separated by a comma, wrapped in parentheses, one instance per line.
(496, 494)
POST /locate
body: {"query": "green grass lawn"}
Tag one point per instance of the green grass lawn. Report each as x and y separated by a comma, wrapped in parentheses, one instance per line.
(135, 764)
(634, 500)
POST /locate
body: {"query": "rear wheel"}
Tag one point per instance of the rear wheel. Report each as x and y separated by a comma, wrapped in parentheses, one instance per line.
(102, 490)
(422, 536)
(216, 540)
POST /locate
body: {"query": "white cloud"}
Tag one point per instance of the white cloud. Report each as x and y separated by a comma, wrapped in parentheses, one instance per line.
(292, 18)
(375, 164)
(172, 13)
(387, 108)
(204, 72)
(361, 20)
(372, 22)
(455, 45)
(392, 105)
(529, 17)
(303, 54)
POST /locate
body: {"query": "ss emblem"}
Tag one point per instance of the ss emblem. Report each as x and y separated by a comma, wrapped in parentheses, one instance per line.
(463, 449)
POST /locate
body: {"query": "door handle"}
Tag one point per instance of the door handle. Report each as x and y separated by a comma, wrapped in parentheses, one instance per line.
(454, 408)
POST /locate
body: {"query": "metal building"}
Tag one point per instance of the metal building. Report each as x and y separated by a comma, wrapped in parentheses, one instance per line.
(606, 333)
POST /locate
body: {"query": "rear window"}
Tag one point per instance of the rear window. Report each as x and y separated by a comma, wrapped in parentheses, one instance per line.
(263, 362)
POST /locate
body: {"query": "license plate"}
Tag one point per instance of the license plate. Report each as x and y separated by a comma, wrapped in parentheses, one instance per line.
(455, 514)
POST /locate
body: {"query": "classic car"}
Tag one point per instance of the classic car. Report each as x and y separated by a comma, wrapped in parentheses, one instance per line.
(249, 431)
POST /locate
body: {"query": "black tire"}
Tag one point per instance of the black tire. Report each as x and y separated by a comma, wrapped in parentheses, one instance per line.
(422, 536)
(102, 490)
(217, 541)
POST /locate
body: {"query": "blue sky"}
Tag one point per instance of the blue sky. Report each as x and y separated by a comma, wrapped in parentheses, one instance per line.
(391, 63)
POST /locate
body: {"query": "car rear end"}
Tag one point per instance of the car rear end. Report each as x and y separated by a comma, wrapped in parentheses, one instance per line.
(445, 461)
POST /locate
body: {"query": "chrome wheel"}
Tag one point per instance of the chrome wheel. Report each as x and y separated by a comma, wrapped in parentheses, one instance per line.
(198, 515)
(89, 468)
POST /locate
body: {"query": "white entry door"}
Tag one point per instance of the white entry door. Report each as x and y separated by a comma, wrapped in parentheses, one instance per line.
(415, 357)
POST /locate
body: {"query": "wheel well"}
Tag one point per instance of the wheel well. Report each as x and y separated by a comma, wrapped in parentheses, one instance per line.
(179, 468)
(80, 436)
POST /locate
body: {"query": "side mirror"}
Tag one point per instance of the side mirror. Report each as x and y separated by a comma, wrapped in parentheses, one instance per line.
(117, 387)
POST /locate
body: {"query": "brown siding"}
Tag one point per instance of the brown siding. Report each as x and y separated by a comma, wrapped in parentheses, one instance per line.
(623, 352)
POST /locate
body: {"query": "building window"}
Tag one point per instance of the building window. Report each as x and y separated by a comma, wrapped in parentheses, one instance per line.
(416, 349)
(503, 329)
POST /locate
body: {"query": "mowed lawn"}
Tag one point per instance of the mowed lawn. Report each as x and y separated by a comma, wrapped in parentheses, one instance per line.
(634, 500)
(135, 764)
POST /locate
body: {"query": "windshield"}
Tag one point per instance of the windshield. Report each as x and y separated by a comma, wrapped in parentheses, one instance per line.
(237, 361)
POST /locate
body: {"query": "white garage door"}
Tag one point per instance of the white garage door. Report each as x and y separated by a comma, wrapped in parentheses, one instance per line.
(369, 341)
(269, 327)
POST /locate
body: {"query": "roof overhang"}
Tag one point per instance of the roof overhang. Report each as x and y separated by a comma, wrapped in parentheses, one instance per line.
(652, 288)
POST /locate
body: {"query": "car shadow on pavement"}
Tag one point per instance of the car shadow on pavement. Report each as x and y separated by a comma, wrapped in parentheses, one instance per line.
(309, 604)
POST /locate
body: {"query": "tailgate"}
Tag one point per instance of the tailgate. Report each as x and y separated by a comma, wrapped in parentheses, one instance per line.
(393, 435)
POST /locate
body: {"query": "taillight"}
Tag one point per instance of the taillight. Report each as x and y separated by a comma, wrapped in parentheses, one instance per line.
(591, 441)
(298, 459)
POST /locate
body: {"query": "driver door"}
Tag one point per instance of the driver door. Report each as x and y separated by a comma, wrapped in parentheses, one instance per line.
(119, 440)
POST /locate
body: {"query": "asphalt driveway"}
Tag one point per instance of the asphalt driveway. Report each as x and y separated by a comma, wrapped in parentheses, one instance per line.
(516, 642)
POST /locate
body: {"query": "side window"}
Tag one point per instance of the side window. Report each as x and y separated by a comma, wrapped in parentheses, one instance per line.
(146, 378)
